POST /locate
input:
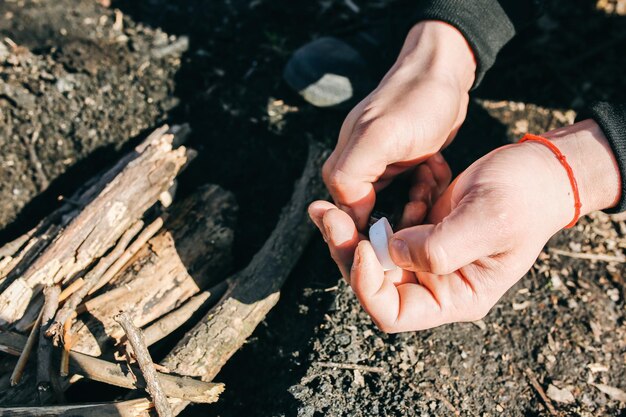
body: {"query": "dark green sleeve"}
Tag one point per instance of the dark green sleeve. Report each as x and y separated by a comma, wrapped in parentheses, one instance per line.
(612, 120)
(486, 24)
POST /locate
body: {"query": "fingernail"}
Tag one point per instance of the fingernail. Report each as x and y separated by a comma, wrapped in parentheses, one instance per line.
(400, 250)
(438, 158)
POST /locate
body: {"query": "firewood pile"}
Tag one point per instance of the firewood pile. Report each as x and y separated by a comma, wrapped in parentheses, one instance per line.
(121, 265)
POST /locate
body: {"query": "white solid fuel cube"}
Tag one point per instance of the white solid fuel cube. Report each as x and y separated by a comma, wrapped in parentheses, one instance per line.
(380, 234)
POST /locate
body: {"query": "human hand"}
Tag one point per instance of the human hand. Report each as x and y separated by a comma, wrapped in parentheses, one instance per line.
(427, 181)
(415, 111)
(487, 229)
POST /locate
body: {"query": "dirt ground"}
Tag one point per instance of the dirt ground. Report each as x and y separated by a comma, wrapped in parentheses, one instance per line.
(80, 83)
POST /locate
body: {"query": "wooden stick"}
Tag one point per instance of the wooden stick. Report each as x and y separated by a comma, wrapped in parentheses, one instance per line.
(71, 289)
(145, 235)
(254, 290)
(11, 248)
(117, 374)
(16, 376)
(91, 279)
(144, 360)
(351, 366)
(589, 256)
(67, 346)
(172, 321)
(26, 256)
(131, 408)
(3, 263)
(535, 384)
(44, 350)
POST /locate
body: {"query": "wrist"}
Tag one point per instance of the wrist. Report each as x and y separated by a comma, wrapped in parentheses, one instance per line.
(594, 168)
(437, 49)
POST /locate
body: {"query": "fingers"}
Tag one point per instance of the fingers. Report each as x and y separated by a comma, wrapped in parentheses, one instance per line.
(410, 306)
(377, 295)
(465, 235)
(414, 213)
(441, 172)
(339, 232)
(430, 180)
(370, 149)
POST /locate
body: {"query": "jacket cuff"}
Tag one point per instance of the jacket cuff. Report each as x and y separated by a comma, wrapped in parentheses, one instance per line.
(484, 24)
(612, 120)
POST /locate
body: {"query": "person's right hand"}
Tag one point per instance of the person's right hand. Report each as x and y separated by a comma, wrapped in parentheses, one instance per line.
(481, 236)
(415, 111)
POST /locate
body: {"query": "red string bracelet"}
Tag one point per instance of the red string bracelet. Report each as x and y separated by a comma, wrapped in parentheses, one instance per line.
(568, 168)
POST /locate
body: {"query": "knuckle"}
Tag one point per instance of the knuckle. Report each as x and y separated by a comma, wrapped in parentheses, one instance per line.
(335, 179)
(327, 170)
(436, 259)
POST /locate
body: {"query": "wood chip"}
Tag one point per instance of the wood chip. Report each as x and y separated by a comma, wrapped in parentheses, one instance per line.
(560, 395)
(613, 392)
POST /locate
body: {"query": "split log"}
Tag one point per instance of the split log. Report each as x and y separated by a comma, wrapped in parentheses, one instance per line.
(254, 290)
(109, 206)
(118, 374)
(190, 254)
(92, 278)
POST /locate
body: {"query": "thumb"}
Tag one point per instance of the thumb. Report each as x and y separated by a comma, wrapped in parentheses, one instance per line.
(467, 234)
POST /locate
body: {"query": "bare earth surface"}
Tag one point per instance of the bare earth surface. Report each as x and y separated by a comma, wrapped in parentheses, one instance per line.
(78, 82)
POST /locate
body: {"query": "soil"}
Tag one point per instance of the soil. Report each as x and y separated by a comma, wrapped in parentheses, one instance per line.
(80, 82)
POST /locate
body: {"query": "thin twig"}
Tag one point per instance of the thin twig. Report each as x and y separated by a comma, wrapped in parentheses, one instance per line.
(92, 279)
(67, 346)
(10, 249)
(353, 366)
(137, 407)
(437, 396)
(18, 371)
(136, 340)
(44, 350)
(32, 151)
(535, 384)
(589, 256)
(145, 235)
(71, 289)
